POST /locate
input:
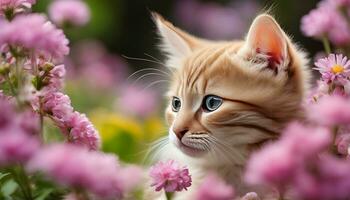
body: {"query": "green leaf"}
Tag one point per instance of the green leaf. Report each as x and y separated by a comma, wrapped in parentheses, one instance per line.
(3, 175)
(45, 193)
(9, 187)
(6, 88)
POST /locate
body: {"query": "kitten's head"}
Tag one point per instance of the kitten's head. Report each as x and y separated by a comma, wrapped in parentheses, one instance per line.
(231, 94)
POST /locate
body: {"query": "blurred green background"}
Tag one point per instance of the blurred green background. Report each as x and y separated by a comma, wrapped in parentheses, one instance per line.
(128, 110)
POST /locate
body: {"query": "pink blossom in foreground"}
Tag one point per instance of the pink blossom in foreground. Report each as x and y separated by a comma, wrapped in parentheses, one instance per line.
(74, 12)
(17, 140)
(342, 140)
(334, 68)
(81, 131)
(137, 101)
(330, 111)
(278, 163)
(7, 112)
(29, 122)
(74, 166)
(14, 6)
(325, 179)
(34, 33)
(170, 176)
(16, 146)
(213, 188)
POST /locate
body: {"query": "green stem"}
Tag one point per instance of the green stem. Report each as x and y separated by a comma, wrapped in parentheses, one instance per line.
(12, 88)
(24, 187)
(26, 182)
(326, 45)
(168, 195)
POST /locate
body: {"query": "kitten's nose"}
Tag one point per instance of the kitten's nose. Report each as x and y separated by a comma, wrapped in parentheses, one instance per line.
(180, 132)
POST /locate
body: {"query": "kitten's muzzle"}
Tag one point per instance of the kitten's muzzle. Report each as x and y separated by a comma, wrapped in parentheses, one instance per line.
(180, 133)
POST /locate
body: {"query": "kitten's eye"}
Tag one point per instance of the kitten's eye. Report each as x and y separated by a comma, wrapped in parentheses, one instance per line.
(211, 103)
(176, 104)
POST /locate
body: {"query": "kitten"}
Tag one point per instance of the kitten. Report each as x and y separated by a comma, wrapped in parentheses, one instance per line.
(227, 98)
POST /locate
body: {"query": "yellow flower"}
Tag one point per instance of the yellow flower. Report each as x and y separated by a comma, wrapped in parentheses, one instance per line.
(109, 124)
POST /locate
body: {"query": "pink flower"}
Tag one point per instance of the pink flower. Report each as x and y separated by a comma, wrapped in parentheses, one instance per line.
(339, 34)
(251, 196)
(334, 68)
(56, 77)
(34, 33)
(211, 18)
(29, 122)
(11, 7)
(7, 112)
(318, 22)
(305, 141)
(76, 127)
(278, 163)
(330, 110)
(336, 3)
(58, 105)
(137, 101)
(74, 166)
(273, 165)
(92, 55)
(16, 146)
(81, 131)
(170, 176)
(326, 21)
(327, 178)
(213, 188)
(74, 12)
(17, 143)
(343, 141)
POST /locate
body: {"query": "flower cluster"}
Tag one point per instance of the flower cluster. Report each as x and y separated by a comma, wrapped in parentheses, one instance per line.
(77, 167)
(326, 21)
(9, 8)
(33, 34)
(170, 176)
(17, 140)
(213, 188)
(73, 12)
(310, 160)
(32, 77)
(335, 76)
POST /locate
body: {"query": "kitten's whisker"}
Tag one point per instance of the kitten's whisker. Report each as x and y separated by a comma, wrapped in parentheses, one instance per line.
(157, 60)
(142, 59)
(155, 146)
(145, 75)
(147, 69)
(224, 148)
(155, 83)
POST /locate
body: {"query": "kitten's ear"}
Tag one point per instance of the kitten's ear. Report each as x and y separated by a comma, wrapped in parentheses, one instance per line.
(266, 39)
(175, 42)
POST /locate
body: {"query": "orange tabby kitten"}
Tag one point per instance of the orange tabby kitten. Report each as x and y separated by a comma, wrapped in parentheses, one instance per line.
(229, 97)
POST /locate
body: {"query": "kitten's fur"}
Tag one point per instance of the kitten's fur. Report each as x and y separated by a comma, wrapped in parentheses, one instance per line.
(262, 79)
